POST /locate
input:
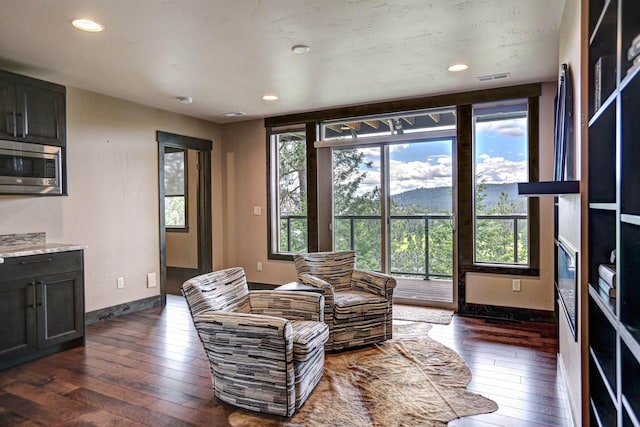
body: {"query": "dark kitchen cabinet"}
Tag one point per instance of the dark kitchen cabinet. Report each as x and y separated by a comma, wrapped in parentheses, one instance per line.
(32, 110)
(41, 306)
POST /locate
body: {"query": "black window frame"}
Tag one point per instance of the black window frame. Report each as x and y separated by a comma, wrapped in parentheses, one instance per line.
(465, 197)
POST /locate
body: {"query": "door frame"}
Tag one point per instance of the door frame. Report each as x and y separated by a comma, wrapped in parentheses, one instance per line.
(204, 234)
(384, 208)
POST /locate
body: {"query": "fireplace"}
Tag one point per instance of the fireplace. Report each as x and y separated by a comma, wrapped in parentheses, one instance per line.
(567, 282)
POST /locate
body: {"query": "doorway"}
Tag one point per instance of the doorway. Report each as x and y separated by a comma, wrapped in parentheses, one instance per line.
(184, 169)
(393, 205)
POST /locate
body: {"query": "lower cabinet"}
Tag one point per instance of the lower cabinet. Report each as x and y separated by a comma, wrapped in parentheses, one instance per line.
(41, 306)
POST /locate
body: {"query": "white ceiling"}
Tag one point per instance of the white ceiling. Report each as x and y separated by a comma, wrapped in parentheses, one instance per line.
(226, 54)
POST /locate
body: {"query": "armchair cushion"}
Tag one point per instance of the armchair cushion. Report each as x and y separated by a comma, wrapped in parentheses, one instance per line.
(307, 337)
(358, 304)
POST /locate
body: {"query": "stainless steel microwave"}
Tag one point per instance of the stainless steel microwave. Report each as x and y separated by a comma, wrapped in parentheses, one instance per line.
(27, 168)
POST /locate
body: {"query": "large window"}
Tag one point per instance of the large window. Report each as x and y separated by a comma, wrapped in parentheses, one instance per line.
(175, 184)
(288, 157)
(501, 147)
(392, 190)
(317, 159)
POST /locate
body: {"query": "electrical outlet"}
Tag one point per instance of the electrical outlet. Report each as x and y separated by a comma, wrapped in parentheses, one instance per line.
(120, 282)
(257, 210)
(259, 266)
(515, 284)
(151, 280)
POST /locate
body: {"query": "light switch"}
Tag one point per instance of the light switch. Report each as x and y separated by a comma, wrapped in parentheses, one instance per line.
(257, 210)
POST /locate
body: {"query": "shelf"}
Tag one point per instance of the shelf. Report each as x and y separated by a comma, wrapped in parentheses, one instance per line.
(628, 271)
(605, 408)
(548, 188)
(597, 17)
(604, 374)
(607, 307)
(612, 177)
(628, 78)
(609, 102)
(630, 219)
(602, 240)
(628, 412)
(603, 206)
(630, 387)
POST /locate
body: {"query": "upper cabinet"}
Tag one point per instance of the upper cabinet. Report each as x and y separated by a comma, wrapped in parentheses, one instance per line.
(31, 110)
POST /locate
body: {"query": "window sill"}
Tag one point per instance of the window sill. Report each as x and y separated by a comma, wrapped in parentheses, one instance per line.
(177, 230)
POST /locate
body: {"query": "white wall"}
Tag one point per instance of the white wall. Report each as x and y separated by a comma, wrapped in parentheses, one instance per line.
(245, 161)
(113, 205)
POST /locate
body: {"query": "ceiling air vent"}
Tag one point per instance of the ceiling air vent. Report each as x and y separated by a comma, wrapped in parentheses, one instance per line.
(493, 77)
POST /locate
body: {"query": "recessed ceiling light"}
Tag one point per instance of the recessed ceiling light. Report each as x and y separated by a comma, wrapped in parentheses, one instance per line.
(87, 25)
(185, 99)
(235, 114)
(270, 97)
(300, 49)
(457, 67)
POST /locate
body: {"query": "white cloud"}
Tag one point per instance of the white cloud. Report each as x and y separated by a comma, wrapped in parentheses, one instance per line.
(495, 170)
(396, 148)
(515, 127)
(436, 171)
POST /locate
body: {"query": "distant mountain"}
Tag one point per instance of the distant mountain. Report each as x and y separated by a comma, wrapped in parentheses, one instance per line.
(439, 199)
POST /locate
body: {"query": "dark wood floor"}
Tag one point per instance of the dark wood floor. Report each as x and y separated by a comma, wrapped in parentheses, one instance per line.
(148, 368)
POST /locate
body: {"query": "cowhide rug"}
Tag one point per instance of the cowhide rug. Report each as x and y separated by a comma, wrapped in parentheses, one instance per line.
(422, 314)
(411, 380)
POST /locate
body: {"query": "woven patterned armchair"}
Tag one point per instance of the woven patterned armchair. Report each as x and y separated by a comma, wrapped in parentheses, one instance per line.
(358, 303)
(265, 348)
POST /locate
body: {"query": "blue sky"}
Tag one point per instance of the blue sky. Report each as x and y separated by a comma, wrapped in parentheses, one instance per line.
(500, 157)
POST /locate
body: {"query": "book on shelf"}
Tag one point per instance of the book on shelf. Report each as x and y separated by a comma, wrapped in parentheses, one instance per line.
(604, 79)
(634, 66)
(606, 289)
(634, 49)
(607, 272)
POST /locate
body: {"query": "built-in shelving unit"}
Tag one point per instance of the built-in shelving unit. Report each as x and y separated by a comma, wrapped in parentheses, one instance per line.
(614, 212)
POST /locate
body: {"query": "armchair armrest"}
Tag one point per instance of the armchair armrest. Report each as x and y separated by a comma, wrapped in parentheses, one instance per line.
(374, 282)
(245, 335)
(290, 305)
(317, 282)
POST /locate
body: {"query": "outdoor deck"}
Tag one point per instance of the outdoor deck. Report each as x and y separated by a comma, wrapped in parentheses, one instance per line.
(423, 291)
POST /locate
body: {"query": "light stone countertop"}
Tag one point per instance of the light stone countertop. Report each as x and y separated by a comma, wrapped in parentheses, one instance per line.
(36, 249)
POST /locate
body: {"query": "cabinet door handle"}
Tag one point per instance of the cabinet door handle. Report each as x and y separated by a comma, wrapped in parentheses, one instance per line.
(31, 300)
(23, 122)
(36, 261)
(39, 295)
